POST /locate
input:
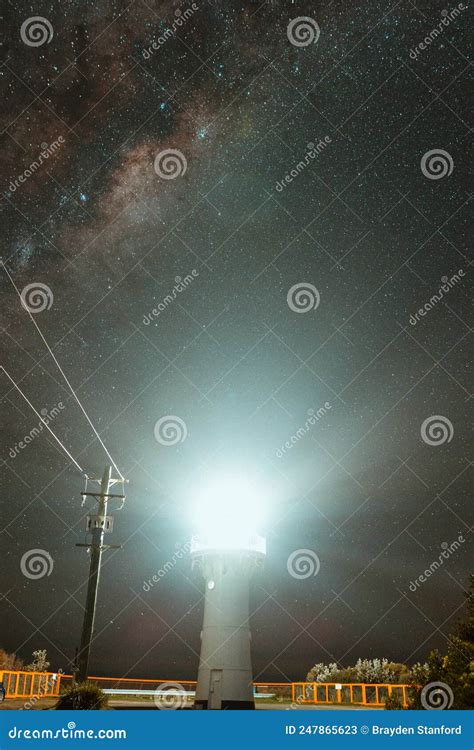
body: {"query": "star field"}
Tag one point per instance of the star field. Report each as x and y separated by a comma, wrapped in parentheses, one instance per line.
(112, 239)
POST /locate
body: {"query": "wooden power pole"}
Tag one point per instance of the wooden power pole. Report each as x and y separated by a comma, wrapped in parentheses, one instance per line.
(97, 525)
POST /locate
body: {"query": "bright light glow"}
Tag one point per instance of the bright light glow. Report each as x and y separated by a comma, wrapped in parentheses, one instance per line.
(228, 513)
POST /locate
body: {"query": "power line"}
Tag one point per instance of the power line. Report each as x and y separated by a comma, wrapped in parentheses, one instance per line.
(43, 421)
(63, 374)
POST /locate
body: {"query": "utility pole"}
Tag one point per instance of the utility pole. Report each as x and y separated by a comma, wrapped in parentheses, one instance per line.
(97, 525)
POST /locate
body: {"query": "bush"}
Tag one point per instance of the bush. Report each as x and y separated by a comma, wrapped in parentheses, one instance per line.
(456, 668)
(83, 696)
(459, 661)
(9, 661)
(393, 703)
(40, 662)
(372, 671)
(331, 673)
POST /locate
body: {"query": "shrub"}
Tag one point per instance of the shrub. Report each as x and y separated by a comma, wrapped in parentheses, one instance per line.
(40, 662)
(9, 661)
(331, 673)
(82, 696)
(459, 662)
(365, 670)
(419, 674)
(456, 668)
(393, 703)
(375, 671)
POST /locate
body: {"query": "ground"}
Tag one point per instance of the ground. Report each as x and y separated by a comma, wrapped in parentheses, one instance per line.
(147, 704)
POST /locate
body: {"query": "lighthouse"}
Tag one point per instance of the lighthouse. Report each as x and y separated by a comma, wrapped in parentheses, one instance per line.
(226, 550)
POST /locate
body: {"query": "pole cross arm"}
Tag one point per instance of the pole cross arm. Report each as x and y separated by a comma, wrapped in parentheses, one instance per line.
(100, 494)
(102, 547)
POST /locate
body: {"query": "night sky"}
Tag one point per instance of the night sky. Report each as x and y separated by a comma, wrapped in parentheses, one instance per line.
(214, 238)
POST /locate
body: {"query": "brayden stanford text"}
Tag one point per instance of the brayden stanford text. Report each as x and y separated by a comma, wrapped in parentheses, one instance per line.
(420, 729)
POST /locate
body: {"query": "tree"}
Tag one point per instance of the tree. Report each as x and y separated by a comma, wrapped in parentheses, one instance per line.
(456, 669)
(459, 667)
(10, 661)
(40, 661)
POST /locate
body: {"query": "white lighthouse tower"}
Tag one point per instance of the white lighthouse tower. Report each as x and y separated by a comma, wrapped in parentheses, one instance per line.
(226, 551)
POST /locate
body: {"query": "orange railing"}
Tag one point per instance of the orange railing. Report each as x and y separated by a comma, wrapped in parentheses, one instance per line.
(30, 684)
(352, 693)
(48, 685)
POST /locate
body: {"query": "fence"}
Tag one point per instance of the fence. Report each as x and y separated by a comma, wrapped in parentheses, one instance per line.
(49, 685)
(30, 684)
(349, 693)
